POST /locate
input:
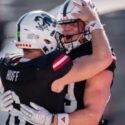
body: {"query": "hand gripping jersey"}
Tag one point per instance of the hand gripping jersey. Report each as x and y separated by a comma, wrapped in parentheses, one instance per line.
(31, 81)
(75, 95)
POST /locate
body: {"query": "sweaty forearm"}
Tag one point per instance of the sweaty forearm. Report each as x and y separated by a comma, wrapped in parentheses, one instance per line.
(100, 45)
(100, 59)
(81, 117)
(82, 69)
(85, 116)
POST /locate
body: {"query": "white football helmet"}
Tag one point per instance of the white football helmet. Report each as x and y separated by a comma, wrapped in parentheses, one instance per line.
(36, 30)
(66, 10)
(65, 17)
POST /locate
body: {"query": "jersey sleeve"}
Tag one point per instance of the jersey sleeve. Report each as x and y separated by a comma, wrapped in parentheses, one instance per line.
(61, 64)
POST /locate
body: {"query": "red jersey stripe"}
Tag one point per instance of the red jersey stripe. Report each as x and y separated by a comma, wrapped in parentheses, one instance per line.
(58, 58)
(60, 61)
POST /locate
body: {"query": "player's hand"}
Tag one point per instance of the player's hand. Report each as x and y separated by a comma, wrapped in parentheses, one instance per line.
(86, 13)
(6, 101)
(57, 86)
(36, 114)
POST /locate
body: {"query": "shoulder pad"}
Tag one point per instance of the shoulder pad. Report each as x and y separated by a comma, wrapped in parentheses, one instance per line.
(4, 62)
(7, 60)
(15, 59)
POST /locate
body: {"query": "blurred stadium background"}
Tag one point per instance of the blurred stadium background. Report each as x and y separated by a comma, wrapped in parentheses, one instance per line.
(112, 14)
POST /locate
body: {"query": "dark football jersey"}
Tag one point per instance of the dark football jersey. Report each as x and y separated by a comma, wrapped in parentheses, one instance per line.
(31, 81)
(85, 49)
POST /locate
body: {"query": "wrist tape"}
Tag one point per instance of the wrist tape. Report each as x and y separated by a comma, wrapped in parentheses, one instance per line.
(93, 25)
(63, 119)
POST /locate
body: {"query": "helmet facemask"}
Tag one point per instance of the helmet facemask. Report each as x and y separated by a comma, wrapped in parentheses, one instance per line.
(72, 34)
(65, 17)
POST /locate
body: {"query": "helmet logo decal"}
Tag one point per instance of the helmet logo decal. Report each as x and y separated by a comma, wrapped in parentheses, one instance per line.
(44, 21)
(33, 36)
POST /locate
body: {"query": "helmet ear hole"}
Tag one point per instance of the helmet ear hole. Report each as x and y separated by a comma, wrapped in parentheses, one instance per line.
(47, 41)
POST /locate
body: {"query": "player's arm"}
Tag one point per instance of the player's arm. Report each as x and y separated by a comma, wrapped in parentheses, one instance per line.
(96, 96)
(98, 61)
(101, 52)
(87, 66)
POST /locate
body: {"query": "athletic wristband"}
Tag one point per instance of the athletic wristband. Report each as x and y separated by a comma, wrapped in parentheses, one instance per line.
(93, 25)
(63, 119)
